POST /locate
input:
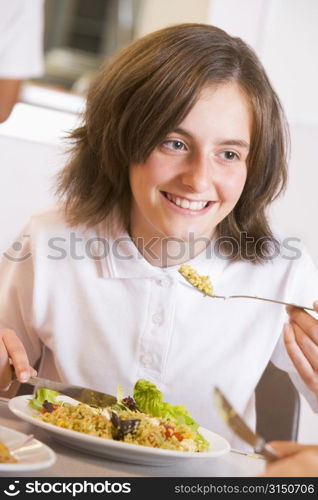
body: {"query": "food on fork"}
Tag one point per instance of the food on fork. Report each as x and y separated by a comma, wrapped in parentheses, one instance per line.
(202, 283)
(143, 419)
(5, 455)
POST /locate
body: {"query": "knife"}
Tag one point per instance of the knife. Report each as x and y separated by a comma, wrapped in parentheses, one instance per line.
(230, 416)
(82, 394)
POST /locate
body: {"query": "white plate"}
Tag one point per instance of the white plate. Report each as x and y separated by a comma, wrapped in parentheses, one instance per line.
(117, 450)
(35, 455)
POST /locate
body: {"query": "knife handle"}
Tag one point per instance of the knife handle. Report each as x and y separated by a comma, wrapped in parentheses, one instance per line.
(269, 453)
(264, 449)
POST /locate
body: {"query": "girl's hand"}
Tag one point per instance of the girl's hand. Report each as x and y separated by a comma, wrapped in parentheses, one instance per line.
(13, 354)
(296, 460)
(301, 341)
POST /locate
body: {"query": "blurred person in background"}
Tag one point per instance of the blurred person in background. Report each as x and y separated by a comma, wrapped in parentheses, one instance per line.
(21, 49)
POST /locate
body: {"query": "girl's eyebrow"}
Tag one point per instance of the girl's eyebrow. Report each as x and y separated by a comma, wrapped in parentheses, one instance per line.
(235, 142)
(227, 142)
(182, 131)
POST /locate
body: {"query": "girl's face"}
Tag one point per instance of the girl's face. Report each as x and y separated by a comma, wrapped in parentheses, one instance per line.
(194, 178)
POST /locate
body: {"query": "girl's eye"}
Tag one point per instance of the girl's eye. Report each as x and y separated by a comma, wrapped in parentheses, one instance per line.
(229, 155)
(174, 145)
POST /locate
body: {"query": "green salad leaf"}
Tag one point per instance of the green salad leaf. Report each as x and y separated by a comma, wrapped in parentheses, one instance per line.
(149, 400)
(41, 396)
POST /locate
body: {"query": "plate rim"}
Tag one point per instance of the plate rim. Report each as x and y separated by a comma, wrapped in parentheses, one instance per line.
(27, 466)
(118, 446)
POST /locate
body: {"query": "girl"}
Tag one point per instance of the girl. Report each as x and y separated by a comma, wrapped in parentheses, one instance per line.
(182, 149)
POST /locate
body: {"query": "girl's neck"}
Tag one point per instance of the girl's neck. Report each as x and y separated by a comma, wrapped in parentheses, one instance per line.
(168, 251)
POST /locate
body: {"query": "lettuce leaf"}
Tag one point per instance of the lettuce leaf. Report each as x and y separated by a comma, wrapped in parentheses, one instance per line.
(149, 400)
(41, 396)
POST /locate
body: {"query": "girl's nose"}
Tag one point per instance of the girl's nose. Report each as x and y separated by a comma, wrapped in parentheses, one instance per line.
(198, 174)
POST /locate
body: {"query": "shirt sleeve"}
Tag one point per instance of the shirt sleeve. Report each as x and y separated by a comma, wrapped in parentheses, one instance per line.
(16, 293)
(303, 290)
(21, 41)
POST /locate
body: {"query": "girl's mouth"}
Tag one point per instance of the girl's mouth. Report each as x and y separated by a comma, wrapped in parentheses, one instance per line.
(186, 205)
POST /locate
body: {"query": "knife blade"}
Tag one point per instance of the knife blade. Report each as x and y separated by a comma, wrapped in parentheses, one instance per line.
(81, 394)
(230, 416)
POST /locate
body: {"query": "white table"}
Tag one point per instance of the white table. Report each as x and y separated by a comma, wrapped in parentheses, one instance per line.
(74, 463)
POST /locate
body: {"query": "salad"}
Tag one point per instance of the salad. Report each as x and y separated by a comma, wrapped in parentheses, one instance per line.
(143, 419)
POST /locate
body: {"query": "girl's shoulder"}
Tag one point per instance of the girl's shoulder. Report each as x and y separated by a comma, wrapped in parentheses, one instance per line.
(52, 221)
(51, 216)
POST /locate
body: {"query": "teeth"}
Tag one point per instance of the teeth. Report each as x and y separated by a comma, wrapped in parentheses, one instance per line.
(183, 203)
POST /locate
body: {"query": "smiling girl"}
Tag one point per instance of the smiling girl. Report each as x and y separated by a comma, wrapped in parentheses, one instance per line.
(181, 151)
(192, 180)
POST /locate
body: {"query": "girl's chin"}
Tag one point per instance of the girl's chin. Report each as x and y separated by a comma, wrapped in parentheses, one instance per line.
(186, 235)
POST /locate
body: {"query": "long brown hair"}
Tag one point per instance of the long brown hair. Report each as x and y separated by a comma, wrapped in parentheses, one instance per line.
(142, 94)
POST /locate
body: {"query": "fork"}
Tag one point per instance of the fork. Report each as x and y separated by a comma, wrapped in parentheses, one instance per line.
(226, 297)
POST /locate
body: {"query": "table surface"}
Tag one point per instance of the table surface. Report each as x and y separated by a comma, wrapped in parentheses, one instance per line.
(75, 463)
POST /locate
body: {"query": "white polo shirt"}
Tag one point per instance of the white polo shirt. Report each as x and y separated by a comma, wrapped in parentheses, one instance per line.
(107, 317)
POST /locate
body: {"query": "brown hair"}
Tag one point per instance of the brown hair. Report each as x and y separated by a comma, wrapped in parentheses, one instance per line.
(142, 94)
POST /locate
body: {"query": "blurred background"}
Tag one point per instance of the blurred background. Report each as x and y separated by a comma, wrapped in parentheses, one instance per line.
(79, 35)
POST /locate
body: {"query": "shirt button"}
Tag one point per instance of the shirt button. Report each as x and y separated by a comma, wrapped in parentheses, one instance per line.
(157, 318)
(146, 359)
(165, 282)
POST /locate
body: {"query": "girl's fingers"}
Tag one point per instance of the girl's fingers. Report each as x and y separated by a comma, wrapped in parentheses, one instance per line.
(302, 464)
(286, 448)
(17, 354)
(296, 460)
(304, 321)
(308, 347)
(298, 357)
(5, 368)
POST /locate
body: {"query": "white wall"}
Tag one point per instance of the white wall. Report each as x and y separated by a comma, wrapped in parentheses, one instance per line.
(156, 14)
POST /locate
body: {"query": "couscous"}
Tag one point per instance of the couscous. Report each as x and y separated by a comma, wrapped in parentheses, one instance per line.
(125, 421)
(202, 283)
